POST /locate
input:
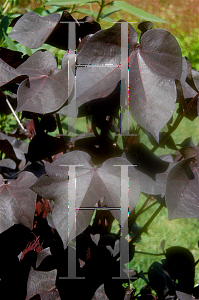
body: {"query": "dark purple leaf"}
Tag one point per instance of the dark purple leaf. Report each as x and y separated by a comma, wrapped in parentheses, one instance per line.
(91, 146)
(160, 281)
(40, 282)
(188, 90)
(46, 90)
(7, 148)
(92, 184)
(183, 296)
(8, 163)
(14, 142)
(44, 146)
(192, 77)
(12, 58)
(13, 148)
(53, 294)
(100, 292)
(31, 30)
(153, 67)
(182, 191)
(9, 74)
(181, 268)
(169, 141)
(144, 26)
(37, 168)
(17, 201)
(59, 36)
(192, 110)
(156, 63)
(146, 161)
(152, 185)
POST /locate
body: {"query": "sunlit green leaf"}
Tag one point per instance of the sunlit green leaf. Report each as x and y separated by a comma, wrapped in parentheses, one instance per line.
(9, 41)
(137, 12)
(3, 26)
(110, 10)
(68, 2)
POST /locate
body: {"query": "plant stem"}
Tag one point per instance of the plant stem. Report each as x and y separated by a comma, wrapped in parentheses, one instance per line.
(60, 130)
(91, 9)
(133, 216)
(155, 254)
(142, 207)
(147, 224)
(166, 136)
(175, 125)
(190, 104)
(148, 207)
(59, 124)
(100, 11)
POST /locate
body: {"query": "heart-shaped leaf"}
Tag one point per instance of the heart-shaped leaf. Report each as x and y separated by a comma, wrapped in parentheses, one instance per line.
(92, 184)
(31, 30)
(46, 90)
(153, 67)
(182, 191)
(17, 201)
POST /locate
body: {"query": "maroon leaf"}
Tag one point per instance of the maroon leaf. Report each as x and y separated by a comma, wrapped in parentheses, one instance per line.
(31, 30)
(9, 74)
(182, 191)
(17, 201)
(46, 90)
(183, 296)
(153, 67)
(100, 294)
(8, 163)
(52, 294)
(13, 148)
(59, 37)
(92, 184)
(13, 58)
(44, 146)
(40, 282)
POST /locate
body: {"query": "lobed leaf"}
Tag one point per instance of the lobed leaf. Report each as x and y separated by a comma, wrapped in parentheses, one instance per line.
(46, 90)
(153, 67)
(17, 202)
(92, 184)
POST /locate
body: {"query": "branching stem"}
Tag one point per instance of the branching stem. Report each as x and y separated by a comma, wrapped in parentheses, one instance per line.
(147, 223)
